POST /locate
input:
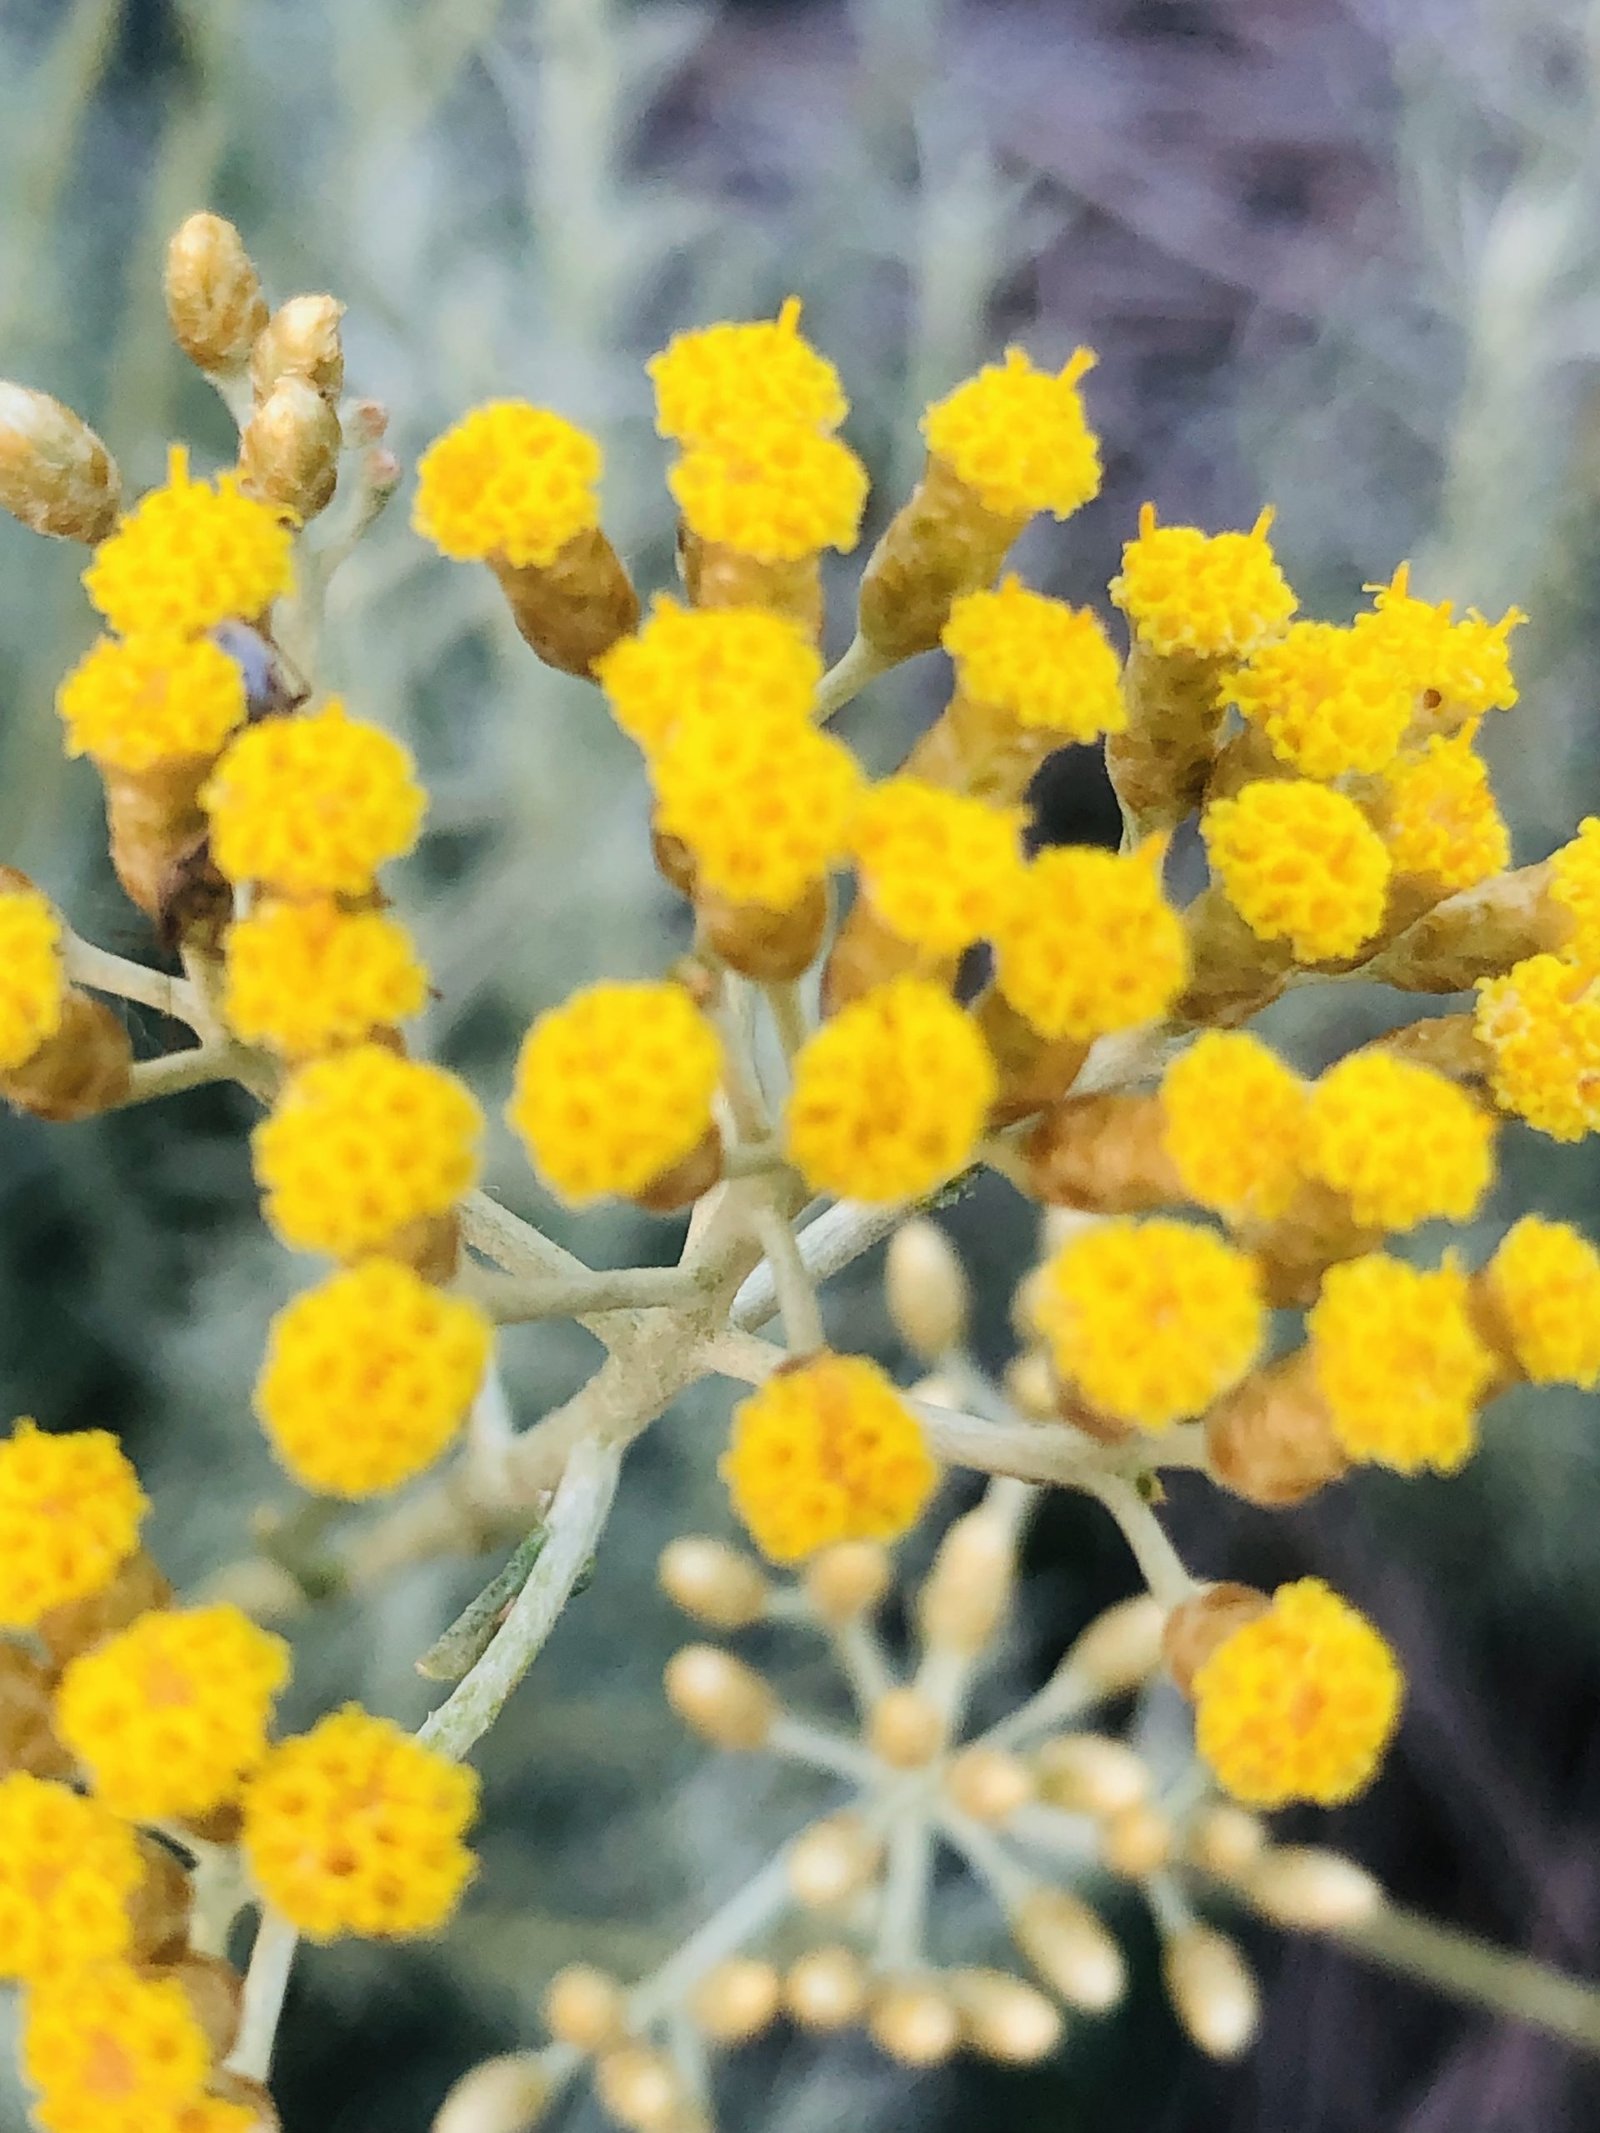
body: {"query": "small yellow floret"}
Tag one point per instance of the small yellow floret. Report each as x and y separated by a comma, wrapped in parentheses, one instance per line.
(314, 805)
(1402, 1143)
(360, 1145)
(772, 490)
(890, 1097)
(1328, 699)
(112, 2050)
(167, 1715)
(190, 555)
(33, 981)
(1090, 944)
(1541, 1022)
(764, 802)
(1018, 437)
(939, 869)
(1202, 595)
(615, 1087)
(1399, 1363)
(827, 1452)
(1465, 665)
(1039, 661)
(70, 1511)
(68, 1867)
(1299, 1704)
(1151, 1320)
(1438, 817)
(134, 702)
(1299, 863)
(355, 1827)
(1234, 1124)
(709, 384)
(508, 480)
(304, 978)
(725, 663)
(1544, 1281)
(1575, 886)
(368, 1378)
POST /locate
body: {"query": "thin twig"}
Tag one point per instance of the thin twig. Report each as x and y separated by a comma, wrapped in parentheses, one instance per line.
(514, 1244)
(1159, 1562)
(173, 1072)
(846, 678)
(514, 1302)
(265, 1983)
(840, 1234)
(797, 1295)
(102, 971)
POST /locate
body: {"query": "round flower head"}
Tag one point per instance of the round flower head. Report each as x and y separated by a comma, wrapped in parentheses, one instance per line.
(764, 802)
(939, 869)
(1575, 886)
(1402, 1143)
(1234, 1125)
(1465, 664)
(362, 1144)
(615, 1088)
(68, 1868)
(135, 702)
(368, 1378)
(1038, 661)
(33, 981)
(167, 1715)
(1399, 1363)
(304, 978)
(1151, 1321)
(355, 1827)
(113, 2050)
(825, 1452)
(709, 384)
(1541, 1022)
(772, 490)
(1202, 595)
(190, 555)
(1544, 1284)
(1329, 700)
(723, 663)
(1299, 863)
(70, 1510)
(890, 1097)
(1018, 438)
(510, 481)
(1298, 1704)
(1438, 817)
(1090, 944)
(313, 805)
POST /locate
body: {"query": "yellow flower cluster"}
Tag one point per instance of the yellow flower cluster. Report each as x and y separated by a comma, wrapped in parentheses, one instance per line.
(1037, 661)
(355, 1827)
(134, 702)
(368, 1378)
(1150, 1320)
(508, 481)
(1575, 886)
(1465, 666)
(1329, 700)
(1541, 1023)
(827, 1451)
(1195, 595)
(33, 981)
(169, 1714)
(1544, 1284)
(113, 2050)
(1300, 863)
(1437, 814)
(1298, 1704)
(362, 1144)
(710, 384)
(70, 1511)
(615, 1088)
(68, 1868)
(890, 1097)
(1399, 1362)
(1090, 944)
(706, 663)
(772, 489)
(1234, 1125)
(190, 555)
(939, 869)
(1018, 439)
(1403, 1144)
(307, 977)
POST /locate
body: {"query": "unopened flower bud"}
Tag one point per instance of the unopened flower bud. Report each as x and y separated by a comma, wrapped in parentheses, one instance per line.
(847, 1581)
(987, 1783)
(639, 2088)
(1091, 1774)
(289, 450)
(736, 2000)
(586, 2008)
(27, 1699)
(214, 300)
(1006, 2018)
(55, 474)
(925, 1287)
(1196, 1627)
(302, 340)
(1120, 1649)
(1303, 1885)
(826, 1989)
(712, 1582)
(832, 1861)
(1212, 1991)
(1137, 1842)
(1226, 1841)
(905, 1729)
(915, 2021)
(1030, 1386)
(969, 1586)
(507, 2094)
(722, 1699)
(1071, 1949)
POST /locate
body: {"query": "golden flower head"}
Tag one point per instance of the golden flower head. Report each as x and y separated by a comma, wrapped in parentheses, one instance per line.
(113, 2050)
(615, 1088)
(711, 383)
(1575, 886)
(721, 663)
(1037, 661)
(890, 1096)
(306, 977)
(70, 1512)
(827, 1451)
(1299, 863)
(939, 869)
(1202, 595)
(1465, 664)
(1090, 944)
(1437, 815)
(1151, 1320)
(134, 702)
(1541, 1022)
(68, 1869)
(1399, 1362)
(1298, 1704)
(190, 555)
(1544, 1281)
(773, 490)
(355, 1827)
(368, 1378)
(1018, 437)
(1234, 1125)
(508, 480)
(1329, 700)
(1402, 1143)
(33, 982)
